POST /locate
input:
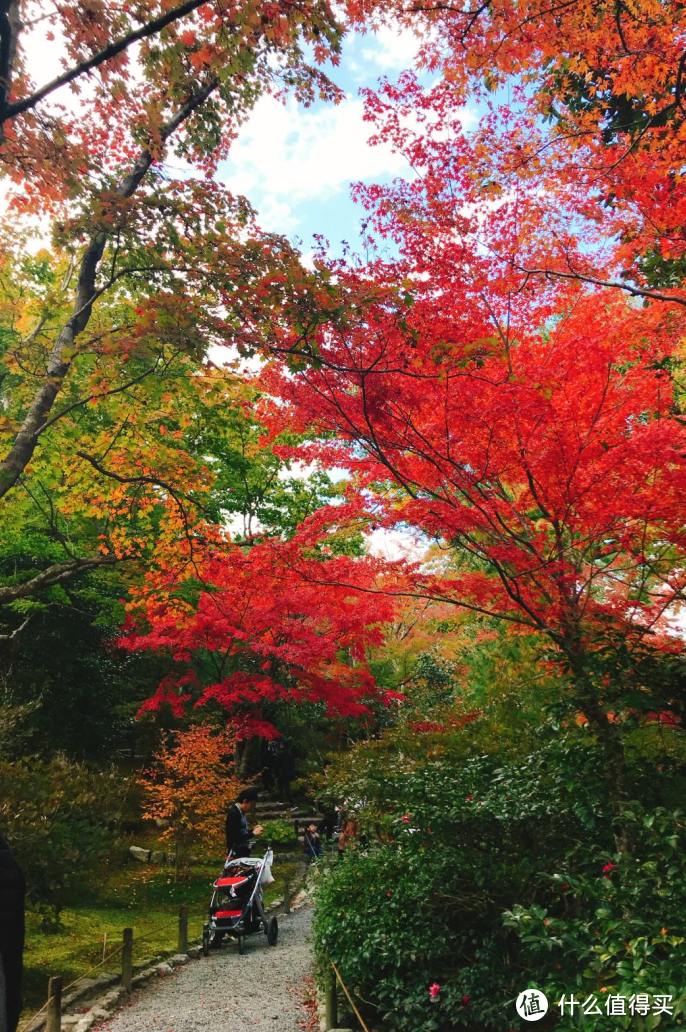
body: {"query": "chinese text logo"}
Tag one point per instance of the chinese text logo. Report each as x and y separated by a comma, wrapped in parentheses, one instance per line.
(531, 1004)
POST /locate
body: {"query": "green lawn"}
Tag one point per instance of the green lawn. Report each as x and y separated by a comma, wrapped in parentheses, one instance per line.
(135, 896)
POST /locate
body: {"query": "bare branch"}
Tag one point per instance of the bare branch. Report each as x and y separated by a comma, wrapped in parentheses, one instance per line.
(654, 295)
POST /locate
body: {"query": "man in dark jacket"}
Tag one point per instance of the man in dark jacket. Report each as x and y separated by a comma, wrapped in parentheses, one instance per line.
(238, 834)
(329, 826)
(12, 891)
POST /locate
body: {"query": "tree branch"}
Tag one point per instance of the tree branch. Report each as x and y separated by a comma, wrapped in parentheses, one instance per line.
(655, 295)
(98, 397)
(17, 630)
(10, 26)
(110, 51)
(54, 574)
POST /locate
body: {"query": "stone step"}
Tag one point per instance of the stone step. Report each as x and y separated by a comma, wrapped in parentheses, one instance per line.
(286, 815)
(276, 808)
(267, 803)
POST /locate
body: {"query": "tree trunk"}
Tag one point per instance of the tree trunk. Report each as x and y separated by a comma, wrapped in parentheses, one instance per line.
(10, 27)
(248, 758)
(611, 739)
(61, 354)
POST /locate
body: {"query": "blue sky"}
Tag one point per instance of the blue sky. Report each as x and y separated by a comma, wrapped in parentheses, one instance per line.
(296, 164)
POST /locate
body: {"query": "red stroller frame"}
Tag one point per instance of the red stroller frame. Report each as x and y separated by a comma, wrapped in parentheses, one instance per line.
(237, 904)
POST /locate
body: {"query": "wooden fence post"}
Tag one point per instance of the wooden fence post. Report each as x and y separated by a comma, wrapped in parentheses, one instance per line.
(287, 897)
(127, 960)
(53, 1017)
(331, 1001)
(183, 928)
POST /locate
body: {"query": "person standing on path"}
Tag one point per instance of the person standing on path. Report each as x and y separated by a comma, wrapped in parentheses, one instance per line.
(330, 824)
(12, 892)
(238, 834)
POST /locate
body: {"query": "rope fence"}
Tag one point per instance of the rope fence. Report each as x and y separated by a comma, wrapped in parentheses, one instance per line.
(156, 931)
(53, 1005)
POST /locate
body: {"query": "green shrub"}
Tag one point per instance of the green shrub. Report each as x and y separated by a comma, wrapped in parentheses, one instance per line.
(488, 878)
(59, 817)
(281, 832)
(618, 923)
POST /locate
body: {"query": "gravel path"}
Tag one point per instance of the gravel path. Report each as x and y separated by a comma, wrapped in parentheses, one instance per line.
(226, 992)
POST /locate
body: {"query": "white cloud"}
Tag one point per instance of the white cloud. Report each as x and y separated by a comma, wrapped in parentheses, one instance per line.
(394, 544)
(391, 49)
(44, 57)
(274, 212)
(299, 471)
(287, 154)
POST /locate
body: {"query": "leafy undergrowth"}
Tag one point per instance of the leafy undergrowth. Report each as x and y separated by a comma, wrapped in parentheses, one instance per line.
(143, 898)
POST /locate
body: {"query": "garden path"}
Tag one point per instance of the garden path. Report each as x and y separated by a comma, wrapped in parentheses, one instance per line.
(226, 992)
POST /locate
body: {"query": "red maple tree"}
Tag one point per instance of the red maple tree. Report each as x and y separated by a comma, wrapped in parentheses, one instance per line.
(531, 429)
(263, 624)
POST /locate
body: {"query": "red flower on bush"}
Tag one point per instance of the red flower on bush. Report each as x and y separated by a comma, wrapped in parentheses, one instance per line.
(465, 1001)
(607, 868)
(434, 990)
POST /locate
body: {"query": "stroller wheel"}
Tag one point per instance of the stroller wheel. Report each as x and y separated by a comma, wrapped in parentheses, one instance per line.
(241, 944)
(216, 939)
(272, 931)
(205, 940)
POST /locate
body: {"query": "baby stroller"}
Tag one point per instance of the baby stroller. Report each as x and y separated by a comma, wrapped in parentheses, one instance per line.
(237, 904)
